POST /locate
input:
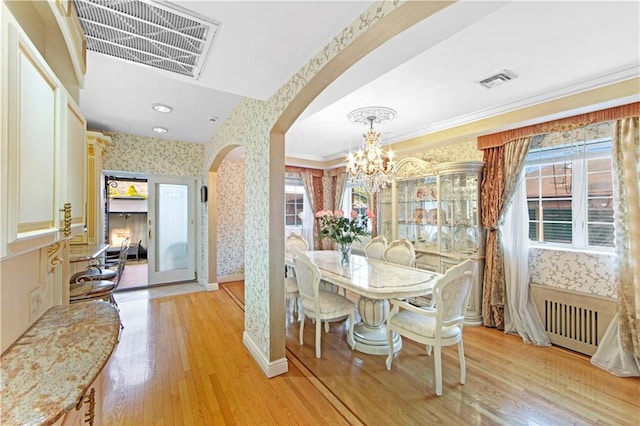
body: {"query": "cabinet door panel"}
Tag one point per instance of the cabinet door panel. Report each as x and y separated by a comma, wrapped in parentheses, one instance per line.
(32, 132)
(76, 165)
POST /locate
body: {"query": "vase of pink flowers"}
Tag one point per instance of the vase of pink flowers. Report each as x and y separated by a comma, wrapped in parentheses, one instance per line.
(343, 230)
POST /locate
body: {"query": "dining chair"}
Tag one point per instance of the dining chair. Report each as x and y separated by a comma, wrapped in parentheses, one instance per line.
(437, 326)
(317, 304)
(376, 247)
(400, 252)
(291, 293)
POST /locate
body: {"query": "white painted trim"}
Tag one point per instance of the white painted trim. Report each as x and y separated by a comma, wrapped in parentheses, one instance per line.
(211, 287)
(232, 277)
(269, 368)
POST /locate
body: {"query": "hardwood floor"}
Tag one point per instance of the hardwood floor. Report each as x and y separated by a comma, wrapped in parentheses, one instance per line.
(181, 361)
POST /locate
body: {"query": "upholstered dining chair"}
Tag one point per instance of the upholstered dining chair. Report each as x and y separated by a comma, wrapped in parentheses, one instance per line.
(376, 247)
(437, 326)
(317, 304)
(400, 252)
(291, 292)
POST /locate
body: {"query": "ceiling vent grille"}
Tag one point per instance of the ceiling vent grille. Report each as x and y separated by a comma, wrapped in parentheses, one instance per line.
(156, 34)
(498, 79)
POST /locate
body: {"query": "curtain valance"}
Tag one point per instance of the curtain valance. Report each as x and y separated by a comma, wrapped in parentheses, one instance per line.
(563, 124)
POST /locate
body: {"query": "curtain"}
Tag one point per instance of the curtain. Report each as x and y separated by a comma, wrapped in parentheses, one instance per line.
(619, 351)
(308, 221)
(340, 185)
(308, 182)
(521, 314)
(501, 177)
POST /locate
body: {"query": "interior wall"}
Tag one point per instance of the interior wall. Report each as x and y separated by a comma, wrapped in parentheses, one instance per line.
(230, 213)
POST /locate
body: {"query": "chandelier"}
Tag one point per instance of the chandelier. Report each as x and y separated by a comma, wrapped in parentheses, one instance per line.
(370, 167)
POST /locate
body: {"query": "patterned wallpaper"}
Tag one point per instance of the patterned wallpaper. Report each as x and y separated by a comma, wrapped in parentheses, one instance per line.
(249, 125)
(591, 273)
(465, 151)
(230, 242)
(144, 154)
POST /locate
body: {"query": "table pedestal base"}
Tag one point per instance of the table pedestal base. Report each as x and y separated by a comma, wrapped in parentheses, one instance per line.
(370, 335)
(373, 340)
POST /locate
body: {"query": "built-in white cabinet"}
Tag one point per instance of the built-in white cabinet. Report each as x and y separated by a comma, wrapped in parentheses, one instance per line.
(44, 157)
(437, 208)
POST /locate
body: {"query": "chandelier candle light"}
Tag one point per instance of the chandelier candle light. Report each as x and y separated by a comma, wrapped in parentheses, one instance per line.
(370, 167)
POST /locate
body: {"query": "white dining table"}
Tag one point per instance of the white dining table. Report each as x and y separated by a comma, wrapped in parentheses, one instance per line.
(376, 282)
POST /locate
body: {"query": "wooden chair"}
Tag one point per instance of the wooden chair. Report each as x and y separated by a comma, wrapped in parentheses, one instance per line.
(400, 252)
(317, 304)
(376, 247)
(436, 326)
(291, 292)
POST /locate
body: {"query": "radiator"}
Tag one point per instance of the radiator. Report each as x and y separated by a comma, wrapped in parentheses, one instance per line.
(573, 320)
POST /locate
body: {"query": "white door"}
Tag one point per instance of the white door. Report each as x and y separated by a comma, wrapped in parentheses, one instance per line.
(171, 229)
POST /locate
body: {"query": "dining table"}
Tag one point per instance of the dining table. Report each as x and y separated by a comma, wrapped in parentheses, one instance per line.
(376, 282)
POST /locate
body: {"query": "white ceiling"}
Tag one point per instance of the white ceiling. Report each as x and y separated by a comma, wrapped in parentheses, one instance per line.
(427, 74)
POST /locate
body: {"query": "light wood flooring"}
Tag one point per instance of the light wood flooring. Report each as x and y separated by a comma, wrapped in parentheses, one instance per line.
(181, 360)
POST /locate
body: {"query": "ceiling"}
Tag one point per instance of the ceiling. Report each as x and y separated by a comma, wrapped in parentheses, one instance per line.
(428, 74)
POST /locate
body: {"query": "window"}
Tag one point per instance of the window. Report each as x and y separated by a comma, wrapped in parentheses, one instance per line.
(293, 203)
(570, 194)
(356, 198)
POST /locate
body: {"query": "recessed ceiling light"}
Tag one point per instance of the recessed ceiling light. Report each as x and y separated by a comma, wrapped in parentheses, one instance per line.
(160, 130)
(162, 108)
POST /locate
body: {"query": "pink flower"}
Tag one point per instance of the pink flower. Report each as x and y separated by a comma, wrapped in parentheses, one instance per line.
(320, 213)
(328, 213)
(370, 214)
(354, 214)
(339, 213)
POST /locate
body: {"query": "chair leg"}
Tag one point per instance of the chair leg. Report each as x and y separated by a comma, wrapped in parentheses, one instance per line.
(318, 336)
(438, 368)
(463, 366)
(389, 359)
(429, 347)
(302, 330)
(326, 326)
(351, 324)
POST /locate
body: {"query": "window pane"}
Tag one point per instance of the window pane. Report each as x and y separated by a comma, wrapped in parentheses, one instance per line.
(601, 235)
(600, 183)
(556, 186)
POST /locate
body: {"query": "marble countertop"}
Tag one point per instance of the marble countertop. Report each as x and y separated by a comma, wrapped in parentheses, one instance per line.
(46, 371)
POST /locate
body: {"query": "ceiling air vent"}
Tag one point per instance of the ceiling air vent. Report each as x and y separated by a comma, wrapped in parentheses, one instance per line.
(155, 34)
(498, 79)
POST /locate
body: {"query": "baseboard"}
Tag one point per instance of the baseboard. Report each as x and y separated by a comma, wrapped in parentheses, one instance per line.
(211, 287)
(232, 277)
(269, 368)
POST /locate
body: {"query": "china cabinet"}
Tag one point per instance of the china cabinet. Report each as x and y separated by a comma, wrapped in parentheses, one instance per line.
(437, 208)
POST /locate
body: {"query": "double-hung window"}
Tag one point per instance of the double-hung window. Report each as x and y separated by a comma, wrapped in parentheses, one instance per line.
(570, 195)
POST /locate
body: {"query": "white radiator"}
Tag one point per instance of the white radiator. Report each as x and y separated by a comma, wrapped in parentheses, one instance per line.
(573, 320)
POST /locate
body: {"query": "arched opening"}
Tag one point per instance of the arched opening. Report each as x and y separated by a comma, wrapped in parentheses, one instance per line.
(226, 171)
(394, 23)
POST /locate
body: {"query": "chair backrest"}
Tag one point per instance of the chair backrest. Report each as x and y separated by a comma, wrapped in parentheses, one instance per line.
(451, 293)
(308, 277)
(295, 240)
(122, 259)
(401, 252)
(376, 247)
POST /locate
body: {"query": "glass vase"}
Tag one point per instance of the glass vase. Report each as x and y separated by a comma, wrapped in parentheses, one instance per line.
(344, 251)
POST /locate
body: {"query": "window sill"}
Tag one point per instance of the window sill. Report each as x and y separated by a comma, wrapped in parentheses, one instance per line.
(572, 250)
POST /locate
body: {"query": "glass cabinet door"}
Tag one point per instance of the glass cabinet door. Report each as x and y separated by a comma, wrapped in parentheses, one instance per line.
(385, 216)
(417, 211)
(460, 221)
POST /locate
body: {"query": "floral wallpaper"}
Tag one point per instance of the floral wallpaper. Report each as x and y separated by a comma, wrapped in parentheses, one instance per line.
(249, 125)
(465, 151)
(230, 242)
(129, 153)
(591, 273)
